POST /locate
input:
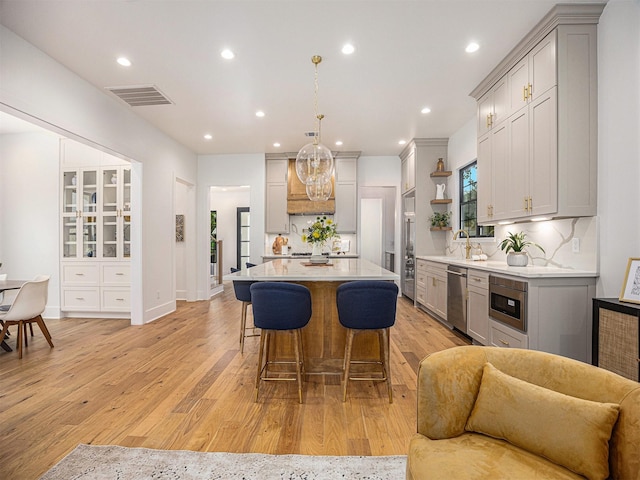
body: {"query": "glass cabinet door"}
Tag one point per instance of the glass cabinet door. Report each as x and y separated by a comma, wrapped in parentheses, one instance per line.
(70, 214)
(110, 231)
(89, 213)
(125, 213)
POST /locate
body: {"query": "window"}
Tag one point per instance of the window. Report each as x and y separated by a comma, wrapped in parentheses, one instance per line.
(469, 203)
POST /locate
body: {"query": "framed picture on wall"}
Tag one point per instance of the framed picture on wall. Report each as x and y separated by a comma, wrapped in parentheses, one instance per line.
(631, 285)
(180, 228)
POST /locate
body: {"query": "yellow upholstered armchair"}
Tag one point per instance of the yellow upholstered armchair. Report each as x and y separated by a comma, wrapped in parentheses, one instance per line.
(494, 413)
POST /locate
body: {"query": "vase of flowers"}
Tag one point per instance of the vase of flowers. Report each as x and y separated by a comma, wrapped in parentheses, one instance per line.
(319, 232)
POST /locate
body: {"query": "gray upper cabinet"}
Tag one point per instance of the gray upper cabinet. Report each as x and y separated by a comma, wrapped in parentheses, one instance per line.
(537, 153)
(346, 216)
(276, 218)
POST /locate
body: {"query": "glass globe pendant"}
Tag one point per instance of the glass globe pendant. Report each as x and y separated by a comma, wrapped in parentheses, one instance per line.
(314, 162)
(319, 188)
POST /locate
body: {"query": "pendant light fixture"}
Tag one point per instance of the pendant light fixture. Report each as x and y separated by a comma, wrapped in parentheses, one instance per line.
(314, 162)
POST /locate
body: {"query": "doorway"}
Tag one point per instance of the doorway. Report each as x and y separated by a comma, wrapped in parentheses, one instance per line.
(377, 225)
(225, 201)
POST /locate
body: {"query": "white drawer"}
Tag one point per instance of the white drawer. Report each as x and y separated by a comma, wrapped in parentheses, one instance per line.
(116, 274)
(79, 274)
(506, 337)
(81, 299)
(478, 279)
(115, 300)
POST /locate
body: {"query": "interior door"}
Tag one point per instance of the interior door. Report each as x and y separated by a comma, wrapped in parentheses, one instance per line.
(243, 223)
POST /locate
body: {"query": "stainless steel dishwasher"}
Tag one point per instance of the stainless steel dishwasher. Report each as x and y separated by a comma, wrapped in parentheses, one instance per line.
(457, 297)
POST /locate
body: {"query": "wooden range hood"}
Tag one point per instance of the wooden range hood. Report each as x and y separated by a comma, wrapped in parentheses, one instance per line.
(298, 202)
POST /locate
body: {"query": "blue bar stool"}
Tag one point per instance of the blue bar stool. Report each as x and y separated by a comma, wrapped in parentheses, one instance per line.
(242, 290)
(280, 307)
(366, 306)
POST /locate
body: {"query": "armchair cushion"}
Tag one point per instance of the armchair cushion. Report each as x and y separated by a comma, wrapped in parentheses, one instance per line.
(567, 430)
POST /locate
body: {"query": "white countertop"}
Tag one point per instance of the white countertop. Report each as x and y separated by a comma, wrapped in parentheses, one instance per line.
(339, 270)
(273, 256)
(530, 271)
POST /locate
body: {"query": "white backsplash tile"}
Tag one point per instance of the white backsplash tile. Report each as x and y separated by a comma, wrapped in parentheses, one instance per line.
(297, 225)
(555, 236)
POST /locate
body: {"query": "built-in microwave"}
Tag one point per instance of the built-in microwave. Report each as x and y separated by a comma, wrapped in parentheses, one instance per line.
(508, 301)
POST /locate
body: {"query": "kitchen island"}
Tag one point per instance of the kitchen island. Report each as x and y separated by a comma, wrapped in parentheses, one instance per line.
(324, 337)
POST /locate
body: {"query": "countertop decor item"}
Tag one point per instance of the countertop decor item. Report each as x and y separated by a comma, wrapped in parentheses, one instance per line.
(319, 232)
(631, 286)
(514, 246)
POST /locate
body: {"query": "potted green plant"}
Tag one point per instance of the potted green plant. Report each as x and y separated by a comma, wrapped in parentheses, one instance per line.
(439, 220)
(514, 246)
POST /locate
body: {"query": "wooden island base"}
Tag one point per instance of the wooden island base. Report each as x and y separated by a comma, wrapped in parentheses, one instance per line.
(324, 338)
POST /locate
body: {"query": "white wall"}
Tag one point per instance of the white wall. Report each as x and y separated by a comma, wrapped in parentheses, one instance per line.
(30, 211)
(181, 254)
(226, 204)
(618, 141)
(228, 170)
(37, 88)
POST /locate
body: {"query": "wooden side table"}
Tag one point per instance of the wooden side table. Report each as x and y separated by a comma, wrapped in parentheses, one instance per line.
(616, 337)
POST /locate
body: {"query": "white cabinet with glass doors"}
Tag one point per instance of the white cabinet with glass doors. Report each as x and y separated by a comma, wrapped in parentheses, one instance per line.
(96, 213)
(96, 239)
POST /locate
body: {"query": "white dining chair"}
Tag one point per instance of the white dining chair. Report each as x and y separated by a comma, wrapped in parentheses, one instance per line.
(27, 309)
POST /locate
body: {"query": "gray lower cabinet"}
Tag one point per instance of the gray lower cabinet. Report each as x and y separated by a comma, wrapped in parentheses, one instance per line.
(558, 318)
(478, 306)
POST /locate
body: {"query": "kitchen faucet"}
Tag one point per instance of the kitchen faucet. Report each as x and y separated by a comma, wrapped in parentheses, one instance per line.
(467, 247)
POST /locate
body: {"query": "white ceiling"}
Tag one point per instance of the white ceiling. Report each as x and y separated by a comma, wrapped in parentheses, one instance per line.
(409, 54)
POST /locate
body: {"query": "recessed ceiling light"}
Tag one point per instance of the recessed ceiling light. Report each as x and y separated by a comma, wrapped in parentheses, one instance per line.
(124, 61)
(402, 142)
(472, 47)
(227, 54)
(348, 49)
(276, 144)
(260, 113)
(425, 110)
(339, 143)
(208, 136)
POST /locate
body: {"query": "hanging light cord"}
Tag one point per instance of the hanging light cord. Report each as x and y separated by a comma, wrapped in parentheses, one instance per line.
(316, 59)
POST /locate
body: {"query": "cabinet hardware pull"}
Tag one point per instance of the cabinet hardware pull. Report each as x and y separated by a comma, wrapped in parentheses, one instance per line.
(119, 273)
(79, 298)
(504, 343)
(489, 120)
(530, 205)
(526, 204)
(524, 93)
(80, 274)
(529, 90)
(476, 279)
(120, 299)
(433, 281)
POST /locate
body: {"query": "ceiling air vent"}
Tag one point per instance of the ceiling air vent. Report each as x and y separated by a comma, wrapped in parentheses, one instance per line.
(141, 95)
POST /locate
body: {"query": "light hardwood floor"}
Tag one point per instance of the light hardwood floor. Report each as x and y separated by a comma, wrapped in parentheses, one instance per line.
(181, 383)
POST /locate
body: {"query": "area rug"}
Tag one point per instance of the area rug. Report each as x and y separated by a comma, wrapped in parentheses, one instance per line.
(112, 462)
